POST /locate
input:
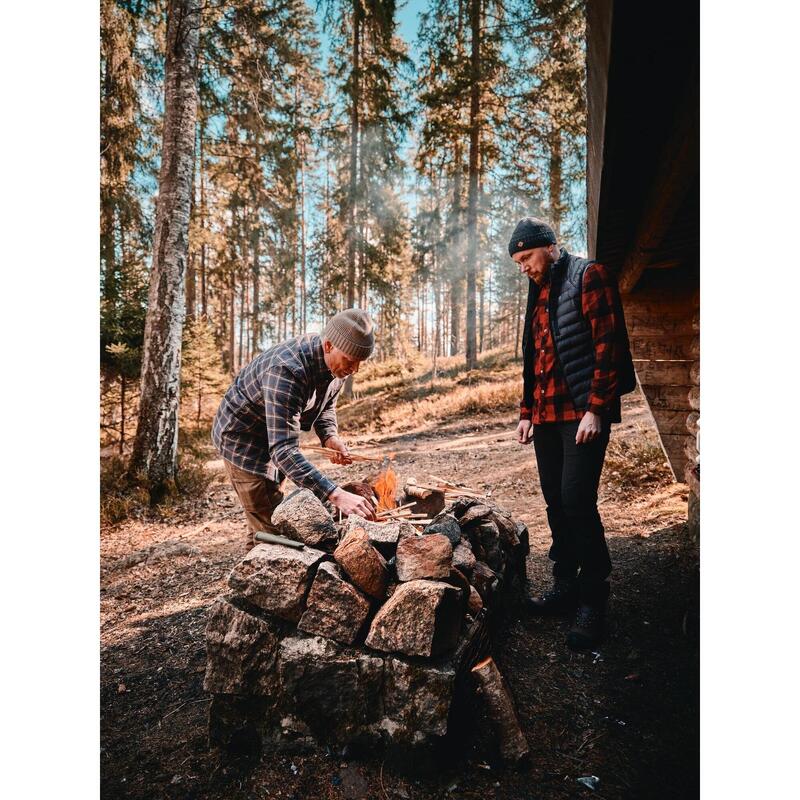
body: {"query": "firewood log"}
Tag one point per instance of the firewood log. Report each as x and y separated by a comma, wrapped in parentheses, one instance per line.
(513, 745)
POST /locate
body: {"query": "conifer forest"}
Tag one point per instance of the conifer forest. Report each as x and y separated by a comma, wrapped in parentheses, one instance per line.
(308, 158)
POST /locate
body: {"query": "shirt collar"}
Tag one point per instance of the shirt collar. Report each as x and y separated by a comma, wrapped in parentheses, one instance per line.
(321, 368)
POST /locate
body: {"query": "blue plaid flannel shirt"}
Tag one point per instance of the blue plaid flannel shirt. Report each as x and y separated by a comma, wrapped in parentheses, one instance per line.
(282, 391)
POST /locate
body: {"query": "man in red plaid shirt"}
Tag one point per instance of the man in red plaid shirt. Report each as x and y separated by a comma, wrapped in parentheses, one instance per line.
(576, 365)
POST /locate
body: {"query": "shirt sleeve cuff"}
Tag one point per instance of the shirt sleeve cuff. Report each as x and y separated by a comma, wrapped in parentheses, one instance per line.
(525, 413)
(595, 406)
(326, 433)
(324, 488)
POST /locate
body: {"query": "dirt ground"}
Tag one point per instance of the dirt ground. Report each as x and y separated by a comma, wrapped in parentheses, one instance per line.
(627, 714)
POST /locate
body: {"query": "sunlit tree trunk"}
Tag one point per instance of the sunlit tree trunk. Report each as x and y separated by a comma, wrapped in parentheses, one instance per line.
(556, 182)
(355, 100)
(154, 456)
(474, 166)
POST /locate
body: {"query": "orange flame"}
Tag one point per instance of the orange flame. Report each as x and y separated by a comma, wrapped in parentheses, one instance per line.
(385, 489)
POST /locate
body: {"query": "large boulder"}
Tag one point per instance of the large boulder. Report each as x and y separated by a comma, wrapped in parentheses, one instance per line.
(484, 580)
(335, 609)
(474, 513)
(447, 525)
(242, 650)
(424, 557)
(421, 618)
(335, 691)
(303, 517)
(277, 578)
(487, 534)
(506, 527)
(383, 536)
(463, 557)
(364, 565)
(416, 700)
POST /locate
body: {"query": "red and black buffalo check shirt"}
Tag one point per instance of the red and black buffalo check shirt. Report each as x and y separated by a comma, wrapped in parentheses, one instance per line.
(552, 401)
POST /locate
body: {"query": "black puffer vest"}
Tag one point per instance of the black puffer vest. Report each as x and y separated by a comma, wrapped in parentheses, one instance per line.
(572, 335)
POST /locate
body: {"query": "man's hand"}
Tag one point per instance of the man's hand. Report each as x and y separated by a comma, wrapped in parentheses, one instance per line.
(589, 429)
(524, 431)
(343, 454)
(349, 503)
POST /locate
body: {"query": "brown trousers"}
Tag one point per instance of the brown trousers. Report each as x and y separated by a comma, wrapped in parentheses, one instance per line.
(259, 497)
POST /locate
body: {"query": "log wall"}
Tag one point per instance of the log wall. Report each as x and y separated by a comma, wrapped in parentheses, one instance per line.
(664, 344)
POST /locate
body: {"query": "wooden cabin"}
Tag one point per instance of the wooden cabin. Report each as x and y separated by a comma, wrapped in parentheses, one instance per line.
(643, 196)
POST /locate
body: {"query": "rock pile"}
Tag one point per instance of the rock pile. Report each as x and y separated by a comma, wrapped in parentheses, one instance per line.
(366, 635)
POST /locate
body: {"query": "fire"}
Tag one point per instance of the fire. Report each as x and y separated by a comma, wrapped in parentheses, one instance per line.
(385, 489)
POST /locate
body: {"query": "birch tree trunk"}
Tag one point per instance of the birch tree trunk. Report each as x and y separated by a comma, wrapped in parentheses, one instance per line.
(155, 448)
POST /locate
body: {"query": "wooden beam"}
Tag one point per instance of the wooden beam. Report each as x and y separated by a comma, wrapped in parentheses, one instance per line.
(598, 49)
(675, 398)
(674, 445)
(679, 167)
(653, 327)
(677, 347)
(671, 422)
(664, 373)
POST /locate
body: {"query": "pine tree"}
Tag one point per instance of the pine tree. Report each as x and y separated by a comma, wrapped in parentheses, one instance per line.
(203, 376)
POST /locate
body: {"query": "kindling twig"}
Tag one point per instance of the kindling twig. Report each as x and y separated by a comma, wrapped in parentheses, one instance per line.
(328, 451)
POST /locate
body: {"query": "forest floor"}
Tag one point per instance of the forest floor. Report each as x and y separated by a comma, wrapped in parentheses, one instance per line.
(628, 713)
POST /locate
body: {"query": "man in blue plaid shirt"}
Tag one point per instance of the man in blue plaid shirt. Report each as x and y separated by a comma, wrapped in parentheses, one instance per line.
(288, 388)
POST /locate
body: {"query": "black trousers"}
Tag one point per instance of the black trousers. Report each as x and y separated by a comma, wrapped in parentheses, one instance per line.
(570, 474)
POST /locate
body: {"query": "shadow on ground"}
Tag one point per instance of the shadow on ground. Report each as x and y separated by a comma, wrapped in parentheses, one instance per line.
(628, 714)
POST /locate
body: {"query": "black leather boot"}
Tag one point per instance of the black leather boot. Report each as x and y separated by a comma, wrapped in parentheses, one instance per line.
(561, 599)
(587, 632)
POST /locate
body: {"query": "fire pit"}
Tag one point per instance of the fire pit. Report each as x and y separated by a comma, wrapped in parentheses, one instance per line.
(364, 637)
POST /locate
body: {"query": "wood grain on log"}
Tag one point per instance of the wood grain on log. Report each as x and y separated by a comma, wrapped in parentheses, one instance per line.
(674, 348)
(669, 421)
(675, 398)
(663, 373)
(513, 745)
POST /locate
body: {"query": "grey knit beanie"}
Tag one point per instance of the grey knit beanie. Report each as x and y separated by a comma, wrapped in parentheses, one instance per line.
(351, 331)
(529, 233)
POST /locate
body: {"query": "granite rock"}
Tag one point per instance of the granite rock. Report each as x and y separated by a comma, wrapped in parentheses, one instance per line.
(362, 563)
(302, 517)
(335, 609)
(276, 578)
(424, 557)
(421, 618)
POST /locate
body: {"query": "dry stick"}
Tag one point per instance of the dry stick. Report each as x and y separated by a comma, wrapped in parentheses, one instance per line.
(352, 456)
(465, 493)
(450, 490)
(449, 485)
(388, 511)
(513, 745)
(442, 480)
(400, 515)
(405, 515)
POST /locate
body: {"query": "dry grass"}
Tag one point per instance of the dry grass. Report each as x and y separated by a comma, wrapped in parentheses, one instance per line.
(400, 395)
(121, 500)
(636, 464)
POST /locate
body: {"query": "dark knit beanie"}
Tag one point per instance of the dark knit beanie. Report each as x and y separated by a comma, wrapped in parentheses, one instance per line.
(351, 332)
(529, 233)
